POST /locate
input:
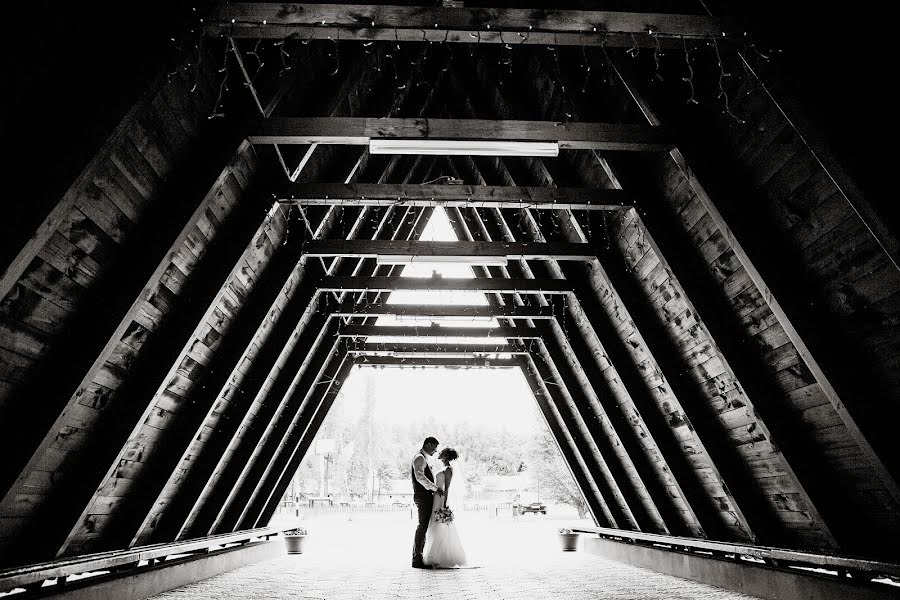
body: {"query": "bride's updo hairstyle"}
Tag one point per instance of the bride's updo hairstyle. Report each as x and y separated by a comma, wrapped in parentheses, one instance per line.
(448, 453)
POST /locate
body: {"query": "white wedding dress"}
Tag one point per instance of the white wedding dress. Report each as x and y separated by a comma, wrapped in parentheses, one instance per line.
(443, 548)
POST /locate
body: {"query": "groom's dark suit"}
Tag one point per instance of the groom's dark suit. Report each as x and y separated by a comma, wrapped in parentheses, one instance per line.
(424, 499)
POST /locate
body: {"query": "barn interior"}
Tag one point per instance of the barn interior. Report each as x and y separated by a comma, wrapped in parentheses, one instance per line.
(677, 216)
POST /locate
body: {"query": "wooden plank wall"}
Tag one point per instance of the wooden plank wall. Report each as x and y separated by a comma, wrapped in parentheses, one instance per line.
(54, 287)
(843, 265)
(787, 498)
(94, 408)
(58, 274)
(724, 396)
(230, 398)
(174, 394)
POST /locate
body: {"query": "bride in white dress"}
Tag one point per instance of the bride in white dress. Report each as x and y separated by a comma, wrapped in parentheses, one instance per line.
(443, 548)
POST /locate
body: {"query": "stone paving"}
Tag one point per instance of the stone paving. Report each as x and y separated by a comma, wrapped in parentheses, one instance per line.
(368, 559)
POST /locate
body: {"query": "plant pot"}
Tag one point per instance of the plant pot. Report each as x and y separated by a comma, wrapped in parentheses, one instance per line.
(568, 541)
(294, 543)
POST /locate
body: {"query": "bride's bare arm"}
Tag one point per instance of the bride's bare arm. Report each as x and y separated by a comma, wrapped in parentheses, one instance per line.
(448, 476)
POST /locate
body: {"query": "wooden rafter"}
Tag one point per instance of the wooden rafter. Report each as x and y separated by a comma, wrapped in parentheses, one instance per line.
(619, 474)
(443, 284)
(319, 399)
(544, 388)
(429, 348)
(439, 362)
(868, 452)
(424, 312)
(364, 331)
(461, 196)
(435, 251)
(462, 25)
(360, 130)
(729, 518)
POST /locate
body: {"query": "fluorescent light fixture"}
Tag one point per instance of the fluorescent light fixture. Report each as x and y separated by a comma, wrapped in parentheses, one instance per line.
(404, 259)
(463, 147)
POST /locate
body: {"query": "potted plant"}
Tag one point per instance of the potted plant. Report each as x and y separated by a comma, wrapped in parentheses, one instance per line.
(568, 539)
(294, 539)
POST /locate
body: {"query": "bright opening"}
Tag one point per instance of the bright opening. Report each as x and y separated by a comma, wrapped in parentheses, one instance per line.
(355, 482)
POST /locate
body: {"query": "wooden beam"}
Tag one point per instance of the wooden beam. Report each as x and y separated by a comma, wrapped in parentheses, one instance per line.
(432, 251)
(544, 391)
(431, 349)
(195, 512)
(168, 402)
(599, 446)
(294, 401)
(360, 130)
(392, 284)
(446, 362)
(611, 320)
(865, 447)
(463, 196)
(422, 312)
(463, 25)
(319, 399)
(436, 331)
(294, 404)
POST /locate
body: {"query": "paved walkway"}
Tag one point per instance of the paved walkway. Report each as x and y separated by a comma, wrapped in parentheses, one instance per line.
(364, 559)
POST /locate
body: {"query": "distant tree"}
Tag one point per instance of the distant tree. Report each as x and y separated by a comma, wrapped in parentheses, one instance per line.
(552, 474)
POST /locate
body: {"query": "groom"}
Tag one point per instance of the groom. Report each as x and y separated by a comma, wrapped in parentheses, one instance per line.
(423, 495)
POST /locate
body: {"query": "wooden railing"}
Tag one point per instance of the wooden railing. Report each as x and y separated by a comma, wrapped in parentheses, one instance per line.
(861, 569)
(35, 575)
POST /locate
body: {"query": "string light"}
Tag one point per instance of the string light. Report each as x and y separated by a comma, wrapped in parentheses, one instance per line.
(722, 75)
(284, 55)
(656, 54)
(690, 77)
(586, 65)
(223, 87)
(635, 48)
(336, 55)
(259, 63)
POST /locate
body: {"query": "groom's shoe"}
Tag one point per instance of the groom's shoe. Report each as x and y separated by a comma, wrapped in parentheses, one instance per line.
(418, 564)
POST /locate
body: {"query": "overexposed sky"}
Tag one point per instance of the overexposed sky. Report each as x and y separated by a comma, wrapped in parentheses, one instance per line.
(498, 397)
(492, 397)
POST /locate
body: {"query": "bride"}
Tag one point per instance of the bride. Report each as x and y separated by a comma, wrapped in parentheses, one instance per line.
(443, 549)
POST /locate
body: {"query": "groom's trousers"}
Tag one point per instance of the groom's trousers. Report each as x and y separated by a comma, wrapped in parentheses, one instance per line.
(423, 503)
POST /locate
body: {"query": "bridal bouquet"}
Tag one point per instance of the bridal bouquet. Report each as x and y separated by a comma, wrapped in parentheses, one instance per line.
(443, 515)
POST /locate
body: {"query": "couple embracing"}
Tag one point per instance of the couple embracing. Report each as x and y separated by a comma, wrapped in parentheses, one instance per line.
(437, 543)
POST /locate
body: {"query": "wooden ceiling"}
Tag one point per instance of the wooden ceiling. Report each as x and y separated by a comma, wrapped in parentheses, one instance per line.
(705, 307)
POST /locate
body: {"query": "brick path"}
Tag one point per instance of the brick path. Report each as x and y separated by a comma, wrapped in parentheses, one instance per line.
(516, 560)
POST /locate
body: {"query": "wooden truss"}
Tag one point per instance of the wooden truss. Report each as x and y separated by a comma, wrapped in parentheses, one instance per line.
(463, 25)
(683, 397)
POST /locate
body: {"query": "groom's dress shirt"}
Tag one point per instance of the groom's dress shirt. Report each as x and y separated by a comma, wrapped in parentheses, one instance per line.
(419, 462)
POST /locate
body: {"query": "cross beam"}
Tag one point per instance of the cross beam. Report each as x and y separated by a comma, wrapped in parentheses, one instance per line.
(448, 362)
(463, 25)
(425, 349)
(428, 331)
(406, 251)
(457, 196)
(421, 312)
(360, 130)
(445, 284)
